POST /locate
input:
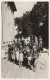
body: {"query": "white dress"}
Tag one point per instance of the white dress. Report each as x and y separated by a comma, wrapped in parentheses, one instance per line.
(17, 55)
(21, 56)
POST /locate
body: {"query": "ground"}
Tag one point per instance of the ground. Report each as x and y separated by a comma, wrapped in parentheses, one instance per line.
(11, 70)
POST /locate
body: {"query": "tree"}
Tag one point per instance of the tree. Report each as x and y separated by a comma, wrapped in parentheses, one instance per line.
(35, 22)
(39, 18)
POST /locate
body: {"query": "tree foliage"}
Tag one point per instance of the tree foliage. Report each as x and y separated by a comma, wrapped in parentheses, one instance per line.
(36, 21)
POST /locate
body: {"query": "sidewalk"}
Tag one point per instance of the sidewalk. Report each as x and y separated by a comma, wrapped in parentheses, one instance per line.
(11, 70)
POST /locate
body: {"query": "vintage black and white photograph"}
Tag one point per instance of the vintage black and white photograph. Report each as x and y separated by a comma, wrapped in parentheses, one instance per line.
(25, 39)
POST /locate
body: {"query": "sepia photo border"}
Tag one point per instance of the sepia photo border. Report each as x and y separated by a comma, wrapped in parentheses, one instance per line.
(1, 32)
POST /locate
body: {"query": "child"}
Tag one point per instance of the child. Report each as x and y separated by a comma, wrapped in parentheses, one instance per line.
(25, 62)
(35, 50)
(17, 55)
(40, 44)
(29, 56)
(34, 55)
(20, 56)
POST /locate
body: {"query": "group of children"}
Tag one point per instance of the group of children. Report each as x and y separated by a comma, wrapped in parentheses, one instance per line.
(24, 53)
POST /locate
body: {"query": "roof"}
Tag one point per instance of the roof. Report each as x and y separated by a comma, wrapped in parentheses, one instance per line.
(12, 6)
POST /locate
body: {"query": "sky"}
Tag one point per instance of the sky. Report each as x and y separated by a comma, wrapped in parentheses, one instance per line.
(23, 7)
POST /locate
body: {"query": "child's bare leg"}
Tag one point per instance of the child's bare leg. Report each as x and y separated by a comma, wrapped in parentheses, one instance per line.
(21, 63)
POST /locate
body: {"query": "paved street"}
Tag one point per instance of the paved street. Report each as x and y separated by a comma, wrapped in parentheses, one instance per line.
(11, 70)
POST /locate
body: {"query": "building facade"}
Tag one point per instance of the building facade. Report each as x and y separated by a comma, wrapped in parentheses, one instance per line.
(7, 13)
